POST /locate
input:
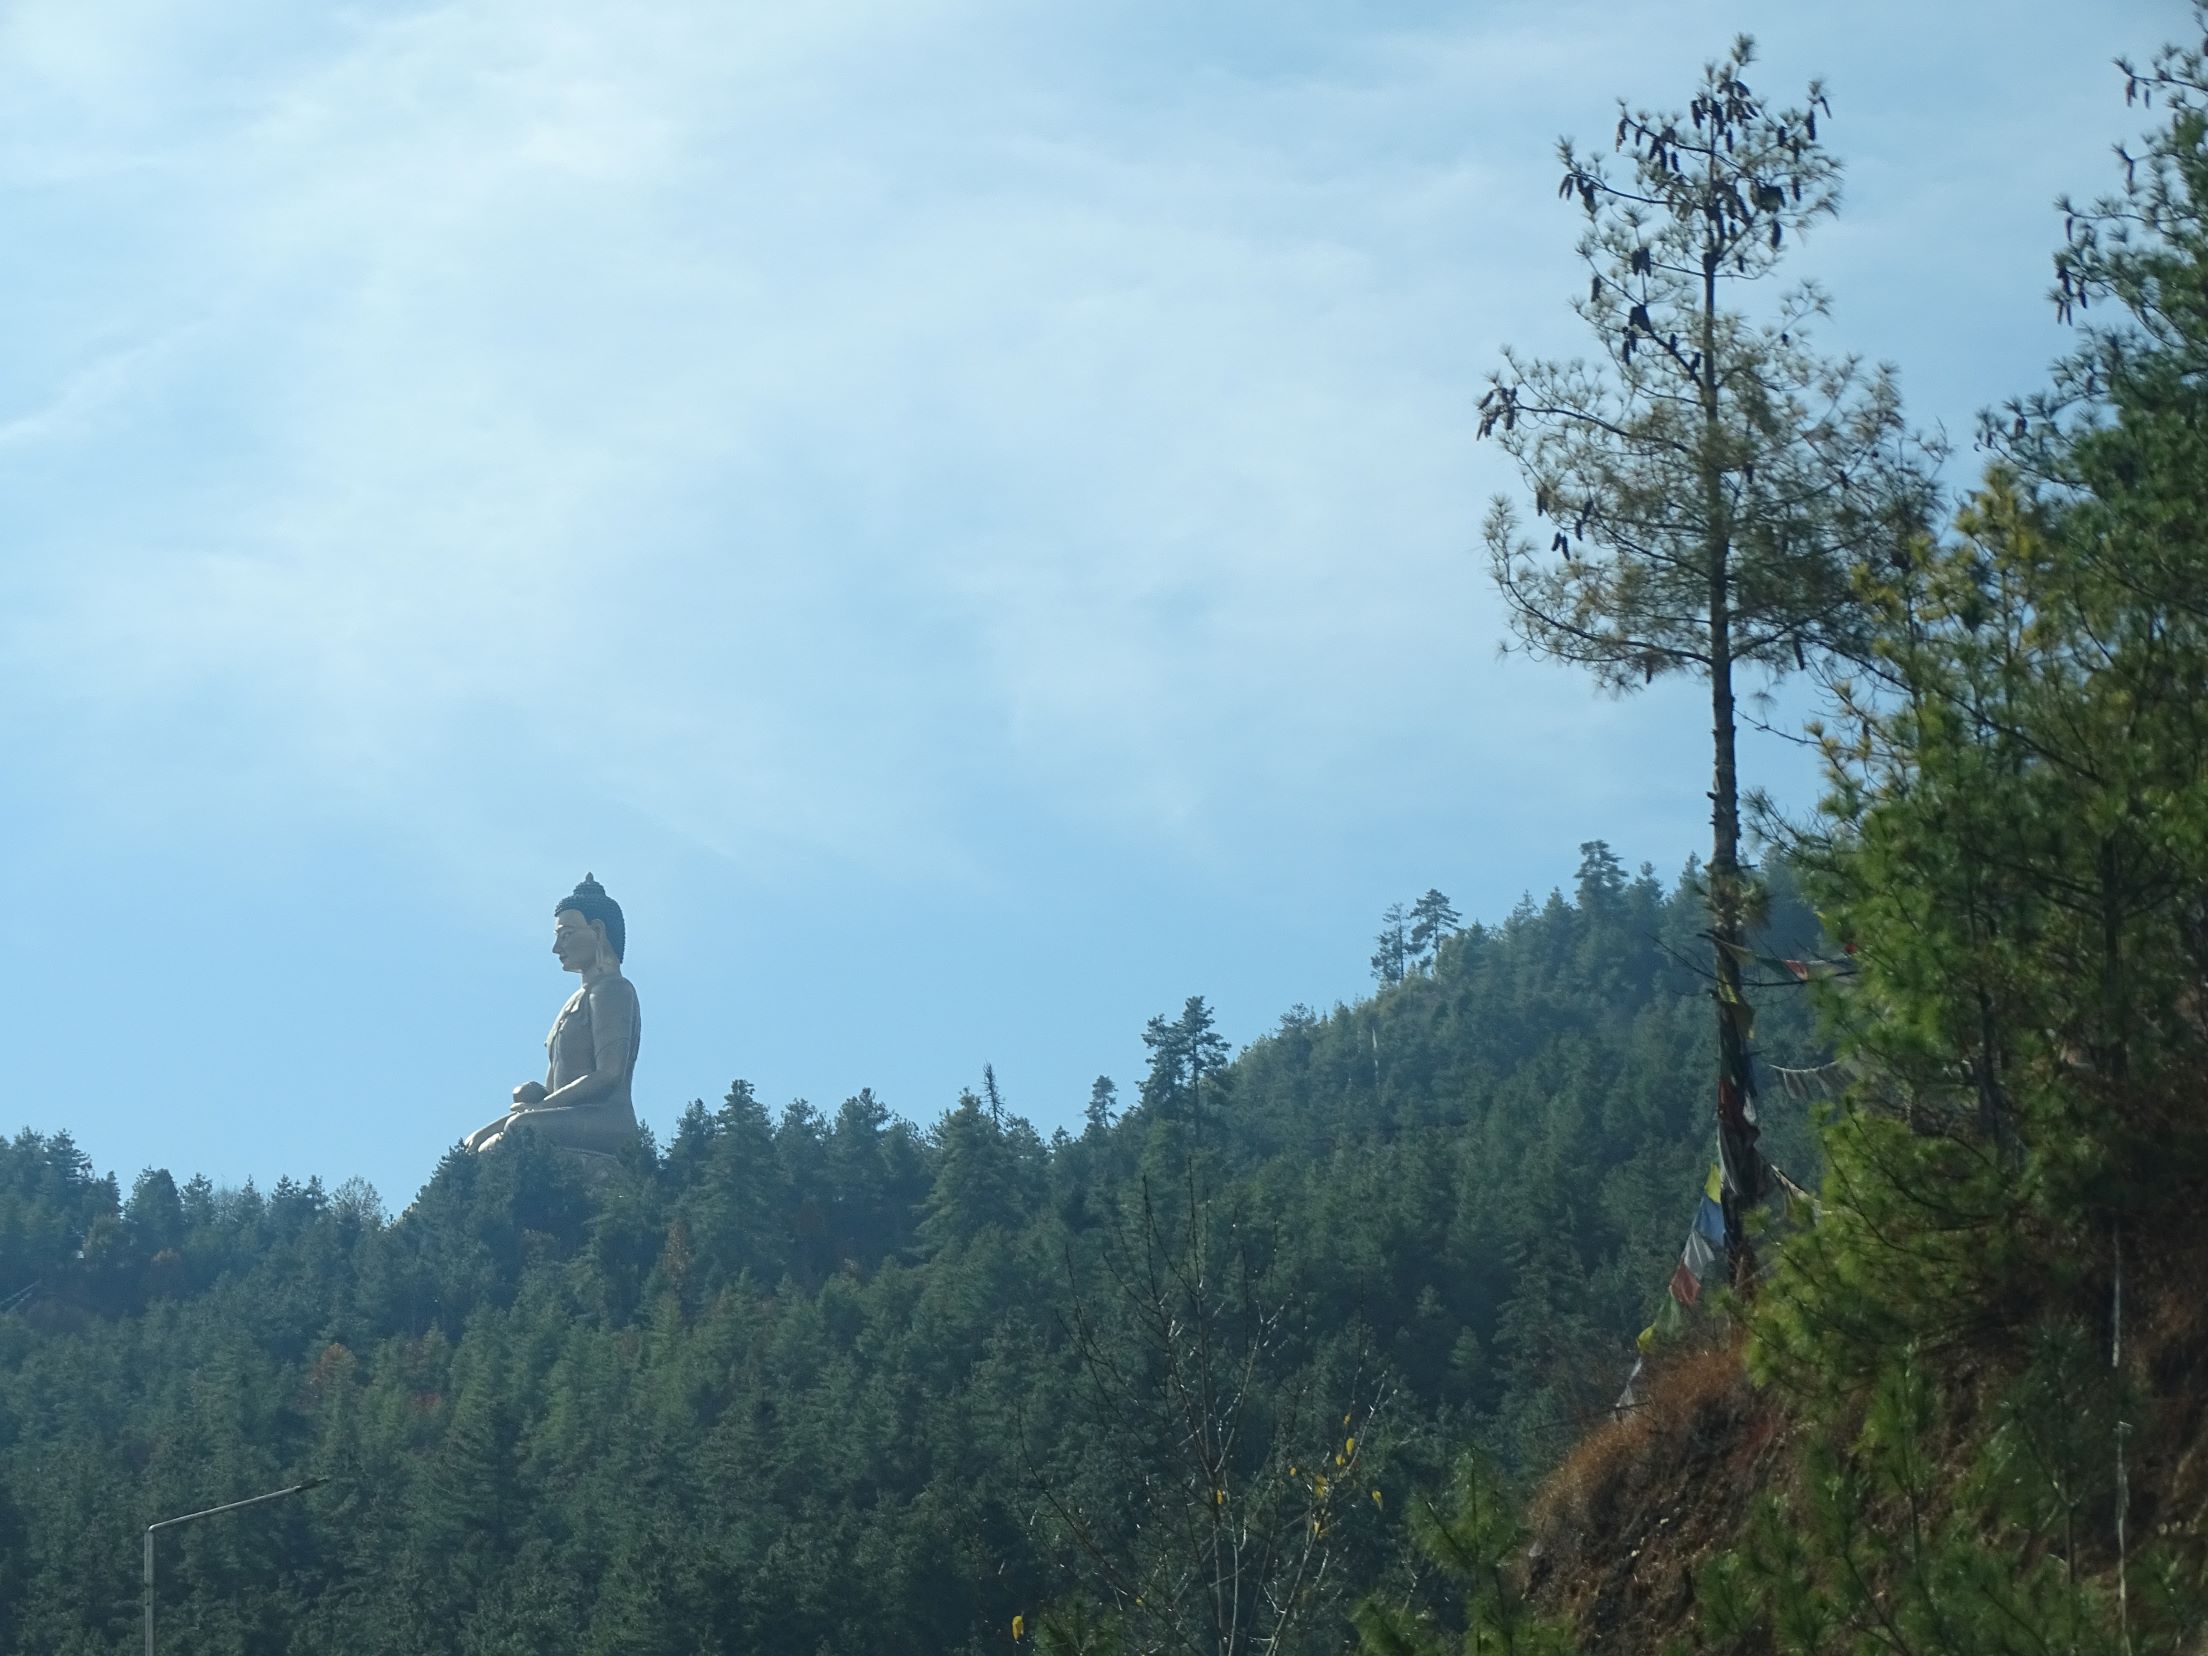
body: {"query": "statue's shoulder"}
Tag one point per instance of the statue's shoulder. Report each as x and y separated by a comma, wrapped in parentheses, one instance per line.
(611, 990)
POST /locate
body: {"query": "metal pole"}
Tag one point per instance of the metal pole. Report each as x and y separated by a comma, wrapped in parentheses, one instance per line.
(208, 1512)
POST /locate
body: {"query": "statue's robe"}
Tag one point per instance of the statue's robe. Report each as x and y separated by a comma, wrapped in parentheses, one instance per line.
(598, 1032)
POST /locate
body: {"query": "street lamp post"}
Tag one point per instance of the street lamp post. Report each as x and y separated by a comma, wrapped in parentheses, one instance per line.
(231, 1506)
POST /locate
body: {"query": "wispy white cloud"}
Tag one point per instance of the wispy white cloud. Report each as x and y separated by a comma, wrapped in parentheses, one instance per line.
(74, 410)
(808, 421)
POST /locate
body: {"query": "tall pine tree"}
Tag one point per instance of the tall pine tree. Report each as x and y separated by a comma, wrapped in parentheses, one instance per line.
(1714, 484)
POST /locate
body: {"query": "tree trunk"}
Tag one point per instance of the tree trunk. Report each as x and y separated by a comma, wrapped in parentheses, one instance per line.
(1736, 1133)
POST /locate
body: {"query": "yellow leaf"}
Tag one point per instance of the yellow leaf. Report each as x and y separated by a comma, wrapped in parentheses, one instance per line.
(1019, 1628)
(1349, 1446)
(1218, 1497)
(1376, 1501)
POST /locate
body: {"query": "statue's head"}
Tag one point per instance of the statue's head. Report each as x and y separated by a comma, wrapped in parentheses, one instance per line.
(587, 927)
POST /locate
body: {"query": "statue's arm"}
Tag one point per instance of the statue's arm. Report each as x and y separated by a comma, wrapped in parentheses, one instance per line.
(612, 1042)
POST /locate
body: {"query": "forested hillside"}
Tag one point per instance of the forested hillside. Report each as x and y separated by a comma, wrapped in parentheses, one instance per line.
(802, 1381)
(1966, 1410)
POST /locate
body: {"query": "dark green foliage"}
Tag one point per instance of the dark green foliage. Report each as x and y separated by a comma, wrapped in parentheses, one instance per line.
(1103, 1107)
(1478, 1608)
(1391, 954)
(810, 1384)
(1897, 1542)
(2017, 839)
(1432, 921)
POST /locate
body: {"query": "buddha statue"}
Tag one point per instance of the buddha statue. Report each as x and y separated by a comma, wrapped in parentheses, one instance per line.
(583, 1102)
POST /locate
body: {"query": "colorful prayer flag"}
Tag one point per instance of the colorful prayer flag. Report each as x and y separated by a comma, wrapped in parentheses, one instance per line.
(1709, 1220)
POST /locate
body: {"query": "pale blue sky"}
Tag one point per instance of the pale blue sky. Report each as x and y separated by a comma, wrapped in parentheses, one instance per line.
(961, 514)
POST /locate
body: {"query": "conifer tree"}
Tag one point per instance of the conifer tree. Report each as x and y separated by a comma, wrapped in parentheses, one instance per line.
(734, 1212)
(1601, 877)
(1473, 1547)
(155, 1213)
(1432, 919)
(801, 1157)
(1103, 1107)
(1714, 484)
(1226, 1493)
(974, 1185)
(1182, 1053)
(472, 1493)
(1391, 955)
(867, 1226)
(693, 1141)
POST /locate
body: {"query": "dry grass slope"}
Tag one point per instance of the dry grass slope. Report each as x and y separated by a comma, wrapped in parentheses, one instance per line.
(1623, 1524)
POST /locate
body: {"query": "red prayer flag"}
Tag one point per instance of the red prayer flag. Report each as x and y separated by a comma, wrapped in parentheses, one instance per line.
(1729, 1111)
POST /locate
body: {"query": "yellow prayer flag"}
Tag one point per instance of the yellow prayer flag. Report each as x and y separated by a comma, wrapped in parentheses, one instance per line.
(1714, 1186)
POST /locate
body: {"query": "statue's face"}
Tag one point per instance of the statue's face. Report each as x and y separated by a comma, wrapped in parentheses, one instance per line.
(575, 940)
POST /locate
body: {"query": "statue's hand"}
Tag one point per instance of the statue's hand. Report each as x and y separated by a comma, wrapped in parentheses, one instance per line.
(527, 1094)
